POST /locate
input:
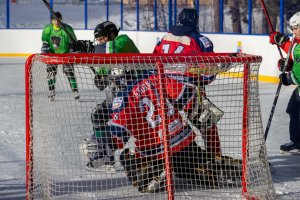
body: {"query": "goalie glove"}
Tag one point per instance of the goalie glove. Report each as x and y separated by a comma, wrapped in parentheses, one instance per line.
(45, 48)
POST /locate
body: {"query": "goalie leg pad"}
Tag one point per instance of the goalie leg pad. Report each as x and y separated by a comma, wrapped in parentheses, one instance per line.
(206, 168)
(147, 176)
(190, 164)
(130, 165)
(151, 176)
(228, 169)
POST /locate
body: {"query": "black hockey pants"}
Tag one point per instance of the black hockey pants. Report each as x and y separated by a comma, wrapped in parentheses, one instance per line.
(293, 109)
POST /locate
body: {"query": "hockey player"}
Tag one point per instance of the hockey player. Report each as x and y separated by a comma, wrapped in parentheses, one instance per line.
(108, 40)
(291, 77)
(185, 38)
(56, 40)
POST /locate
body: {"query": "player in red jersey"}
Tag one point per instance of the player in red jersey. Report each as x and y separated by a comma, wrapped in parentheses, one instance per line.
(185, 38)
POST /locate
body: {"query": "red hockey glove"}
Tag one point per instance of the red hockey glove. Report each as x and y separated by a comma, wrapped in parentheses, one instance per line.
(281, 63)
(278, 38)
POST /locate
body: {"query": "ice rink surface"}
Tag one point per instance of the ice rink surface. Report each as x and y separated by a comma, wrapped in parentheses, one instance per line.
(285, 168)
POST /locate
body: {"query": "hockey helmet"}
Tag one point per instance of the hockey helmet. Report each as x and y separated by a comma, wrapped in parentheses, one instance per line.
(106, 28)
(188, 17)
(58, 15)
(295, 20)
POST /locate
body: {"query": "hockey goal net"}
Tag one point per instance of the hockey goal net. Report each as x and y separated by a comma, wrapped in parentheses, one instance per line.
(211, 149)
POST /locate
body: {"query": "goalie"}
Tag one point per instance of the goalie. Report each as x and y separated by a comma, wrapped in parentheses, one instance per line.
(135, 114)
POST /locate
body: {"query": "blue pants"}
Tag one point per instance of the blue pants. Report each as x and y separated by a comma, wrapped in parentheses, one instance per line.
(293, 109)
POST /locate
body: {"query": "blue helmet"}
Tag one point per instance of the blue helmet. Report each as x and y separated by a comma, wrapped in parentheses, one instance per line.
(188, 17)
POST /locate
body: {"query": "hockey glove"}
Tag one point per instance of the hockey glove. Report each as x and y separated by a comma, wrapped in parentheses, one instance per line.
(82, 46)
(278, 38)
(281, 63)
(284, 79)
(45, 48)
(101, 81)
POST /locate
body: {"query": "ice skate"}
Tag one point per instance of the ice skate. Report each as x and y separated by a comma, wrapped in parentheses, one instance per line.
(94, 153)
(290, 147)
(76, 95)
(51, 95)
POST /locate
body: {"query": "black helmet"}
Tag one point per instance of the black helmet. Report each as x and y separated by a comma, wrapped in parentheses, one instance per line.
(188, 17)
(106, 29)
(58, 15)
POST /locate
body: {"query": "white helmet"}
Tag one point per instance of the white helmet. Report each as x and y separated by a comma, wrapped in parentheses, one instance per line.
(295, 20)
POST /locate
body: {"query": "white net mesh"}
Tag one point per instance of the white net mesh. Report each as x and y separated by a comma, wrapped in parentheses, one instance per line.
(159, 127)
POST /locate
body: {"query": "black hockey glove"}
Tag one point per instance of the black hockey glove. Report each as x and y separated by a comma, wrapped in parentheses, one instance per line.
(101, 81)
(278, 38)
(45, 48)
(82, 46)
(281, 63)
(284, 79)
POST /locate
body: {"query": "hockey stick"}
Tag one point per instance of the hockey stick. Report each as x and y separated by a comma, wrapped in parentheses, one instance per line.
(278, 89)
(64, 28)
(280, 82)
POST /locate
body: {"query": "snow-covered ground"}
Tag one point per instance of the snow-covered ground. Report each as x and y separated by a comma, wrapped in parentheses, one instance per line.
(286, 168)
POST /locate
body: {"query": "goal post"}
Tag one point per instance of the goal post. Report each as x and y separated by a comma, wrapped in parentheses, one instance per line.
(196, 127)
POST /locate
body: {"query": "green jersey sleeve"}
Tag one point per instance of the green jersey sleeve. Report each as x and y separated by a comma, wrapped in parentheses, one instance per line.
(122, 44)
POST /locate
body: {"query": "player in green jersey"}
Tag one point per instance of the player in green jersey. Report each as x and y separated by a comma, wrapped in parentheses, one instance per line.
(107, 40)
(291, 76)
(56, 40)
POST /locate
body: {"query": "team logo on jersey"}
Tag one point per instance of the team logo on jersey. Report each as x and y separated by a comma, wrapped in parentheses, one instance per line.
(117, 103)
(56, 41)
(205, 42)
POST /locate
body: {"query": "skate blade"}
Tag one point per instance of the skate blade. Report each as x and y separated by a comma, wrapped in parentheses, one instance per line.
(292, 152)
